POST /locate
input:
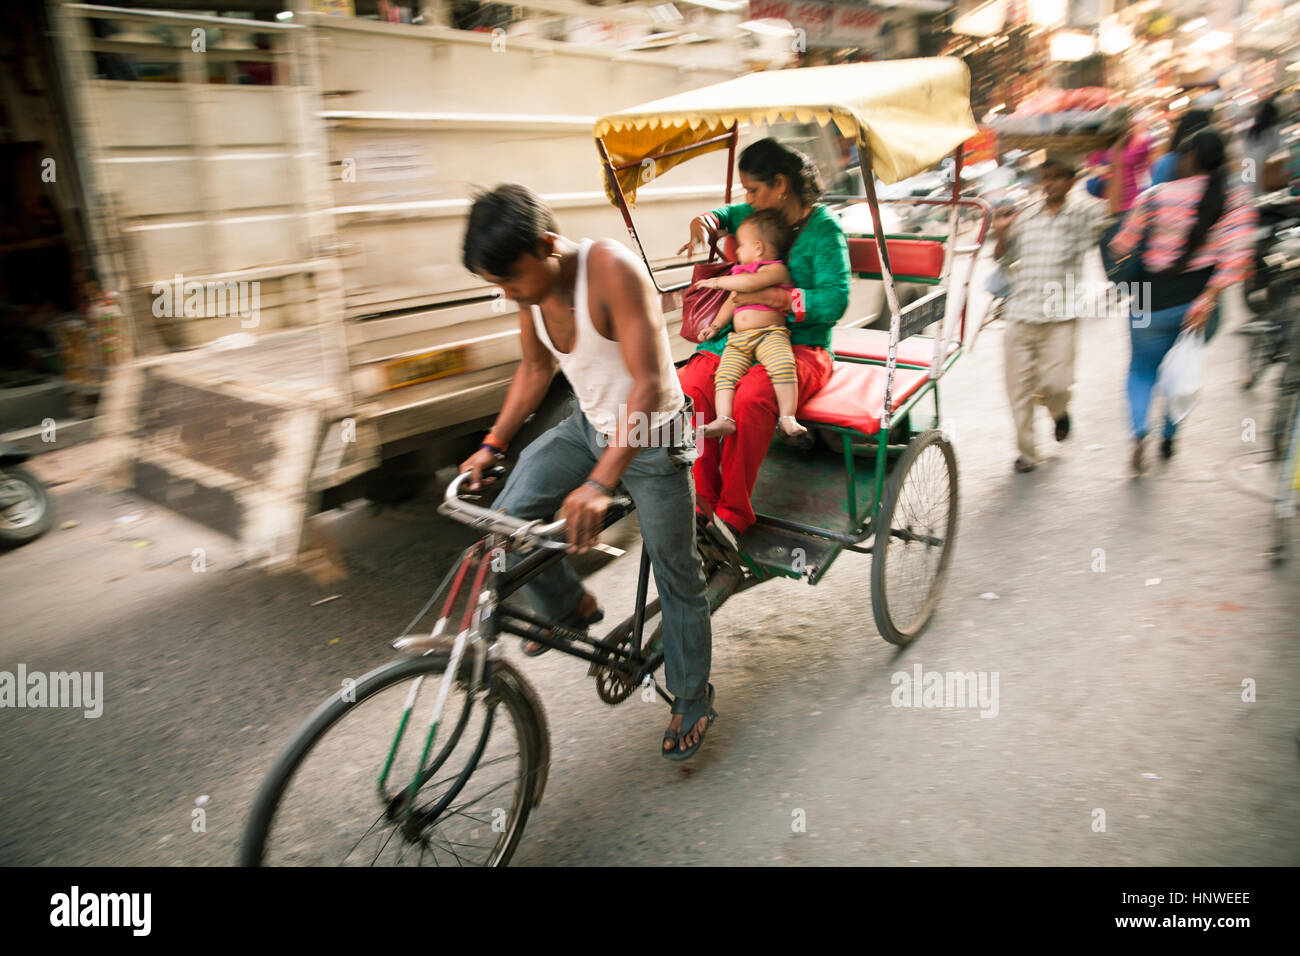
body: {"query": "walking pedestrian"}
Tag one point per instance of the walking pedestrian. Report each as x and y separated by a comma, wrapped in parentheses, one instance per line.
(1193, 239)
(1265, 160)
(1048, 242)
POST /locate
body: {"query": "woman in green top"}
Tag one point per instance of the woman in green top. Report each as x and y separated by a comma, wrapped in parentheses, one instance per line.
(773, 177)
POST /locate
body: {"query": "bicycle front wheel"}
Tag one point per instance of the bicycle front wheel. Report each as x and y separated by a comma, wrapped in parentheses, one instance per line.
(348, 789)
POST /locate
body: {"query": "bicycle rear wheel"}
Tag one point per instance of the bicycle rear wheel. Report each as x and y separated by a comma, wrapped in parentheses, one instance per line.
(341, 792)
(917, 528)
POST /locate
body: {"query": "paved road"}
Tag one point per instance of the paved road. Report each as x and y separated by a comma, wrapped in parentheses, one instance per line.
(1119, 690)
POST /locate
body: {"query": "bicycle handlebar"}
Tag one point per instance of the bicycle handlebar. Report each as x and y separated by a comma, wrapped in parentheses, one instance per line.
(485, 519)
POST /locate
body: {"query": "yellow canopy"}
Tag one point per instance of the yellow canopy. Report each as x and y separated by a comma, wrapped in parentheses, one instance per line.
(913, 113)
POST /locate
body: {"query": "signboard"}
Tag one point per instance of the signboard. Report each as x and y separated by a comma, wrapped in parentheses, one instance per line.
(884, 32)
(334, 8)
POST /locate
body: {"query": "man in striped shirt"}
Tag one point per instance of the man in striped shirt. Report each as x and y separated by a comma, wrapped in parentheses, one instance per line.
(1048, 243)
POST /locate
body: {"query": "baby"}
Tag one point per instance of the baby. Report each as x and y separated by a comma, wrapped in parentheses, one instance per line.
(760, 333)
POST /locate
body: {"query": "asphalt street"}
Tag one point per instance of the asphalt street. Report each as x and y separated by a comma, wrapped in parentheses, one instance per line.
(1146, 658)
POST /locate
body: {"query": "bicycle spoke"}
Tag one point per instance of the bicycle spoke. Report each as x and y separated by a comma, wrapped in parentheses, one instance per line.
(384, 846)
(323, 812)
(369, 830)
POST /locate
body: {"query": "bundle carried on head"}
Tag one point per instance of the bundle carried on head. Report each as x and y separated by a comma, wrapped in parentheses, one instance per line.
(1076, 121)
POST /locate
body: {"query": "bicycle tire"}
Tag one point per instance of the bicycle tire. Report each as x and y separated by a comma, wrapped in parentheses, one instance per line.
(1261, 347)
(887, 552)
(505, 688)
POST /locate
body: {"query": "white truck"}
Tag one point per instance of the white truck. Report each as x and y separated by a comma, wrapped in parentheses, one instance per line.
(280, 206)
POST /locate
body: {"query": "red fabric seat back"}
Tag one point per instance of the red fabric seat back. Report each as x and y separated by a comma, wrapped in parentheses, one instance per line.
(909, 258)
(873, 346)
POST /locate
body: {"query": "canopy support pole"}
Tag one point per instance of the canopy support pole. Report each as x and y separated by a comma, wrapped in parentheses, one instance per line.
(945, 275)
(887, 277)
(623, 208)
(731, 161)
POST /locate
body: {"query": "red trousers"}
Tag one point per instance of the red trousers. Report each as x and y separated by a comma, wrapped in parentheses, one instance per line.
(725, 476)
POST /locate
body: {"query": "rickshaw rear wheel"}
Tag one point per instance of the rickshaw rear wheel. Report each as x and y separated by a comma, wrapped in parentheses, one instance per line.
(915, 532)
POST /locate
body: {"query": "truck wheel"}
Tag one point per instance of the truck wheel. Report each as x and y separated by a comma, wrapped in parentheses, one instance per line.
(25, 511)
(397, 480)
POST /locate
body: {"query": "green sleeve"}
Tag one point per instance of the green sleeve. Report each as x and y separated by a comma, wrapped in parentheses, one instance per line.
(730, 217)
(826, 288)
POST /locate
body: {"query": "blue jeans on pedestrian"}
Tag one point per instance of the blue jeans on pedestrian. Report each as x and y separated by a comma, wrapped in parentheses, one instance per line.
(1152, 335)
(558, 462)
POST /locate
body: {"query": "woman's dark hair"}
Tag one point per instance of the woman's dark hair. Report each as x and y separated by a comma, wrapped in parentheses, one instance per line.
(773, 229)
(503, 225)
(1190, 123)
(767, 159)
(1266, 118)
(1206, 151)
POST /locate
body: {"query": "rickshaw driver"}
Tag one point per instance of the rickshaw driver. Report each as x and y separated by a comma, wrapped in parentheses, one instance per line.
(590, 307)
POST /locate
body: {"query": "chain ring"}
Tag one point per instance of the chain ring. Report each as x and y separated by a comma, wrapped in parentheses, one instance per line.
(613, 686)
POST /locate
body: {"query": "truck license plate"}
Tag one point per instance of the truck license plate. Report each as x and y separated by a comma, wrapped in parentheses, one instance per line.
(426, 367)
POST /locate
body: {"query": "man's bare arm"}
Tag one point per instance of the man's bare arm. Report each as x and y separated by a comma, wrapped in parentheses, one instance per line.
(625, 297)
(531, 381)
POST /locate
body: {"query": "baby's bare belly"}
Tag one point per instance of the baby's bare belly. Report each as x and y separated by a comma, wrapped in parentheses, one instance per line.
(750, 319)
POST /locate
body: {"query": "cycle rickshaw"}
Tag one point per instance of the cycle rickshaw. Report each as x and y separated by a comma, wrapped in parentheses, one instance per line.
(359, 785)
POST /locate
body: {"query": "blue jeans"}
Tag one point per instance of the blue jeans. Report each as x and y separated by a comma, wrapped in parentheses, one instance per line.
(558, 462)
(1152, 336)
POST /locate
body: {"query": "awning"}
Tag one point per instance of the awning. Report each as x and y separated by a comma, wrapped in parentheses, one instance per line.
(913, 113)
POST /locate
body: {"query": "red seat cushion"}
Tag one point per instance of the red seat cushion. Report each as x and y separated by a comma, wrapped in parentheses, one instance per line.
(855, 396)
(918, 258)
(873, 344)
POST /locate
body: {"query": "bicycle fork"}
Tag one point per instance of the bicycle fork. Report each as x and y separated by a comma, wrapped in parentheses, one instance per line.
(476, 610)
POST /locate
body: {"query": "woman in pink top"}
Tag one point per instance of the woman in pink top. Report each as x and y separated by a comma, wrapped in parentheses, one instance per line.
(1198, 241)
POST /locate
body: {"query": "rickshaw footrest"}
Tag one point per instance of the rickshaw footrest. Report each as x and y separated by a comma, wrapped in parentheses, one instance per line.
(788, 552)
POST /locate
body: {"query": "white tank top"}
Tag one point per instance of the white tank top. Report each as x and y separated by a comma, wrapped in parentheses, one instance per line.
(597, 372)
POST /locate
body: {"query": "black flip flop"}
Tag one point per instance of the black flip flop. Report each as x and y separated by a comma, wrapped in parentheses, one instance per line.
(574, 621)
(690, 717)
(1062, 427)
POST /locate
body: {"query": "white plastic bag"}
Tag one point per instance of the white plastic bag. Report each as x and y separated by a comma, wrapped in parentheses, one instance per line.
(1182, 373)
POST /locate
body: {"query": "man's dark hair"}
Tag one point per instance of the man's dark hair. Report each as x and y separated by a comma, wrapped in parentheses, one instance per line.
(1058, 162)
(1266, 117)
(503, 225)
(773, 229)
